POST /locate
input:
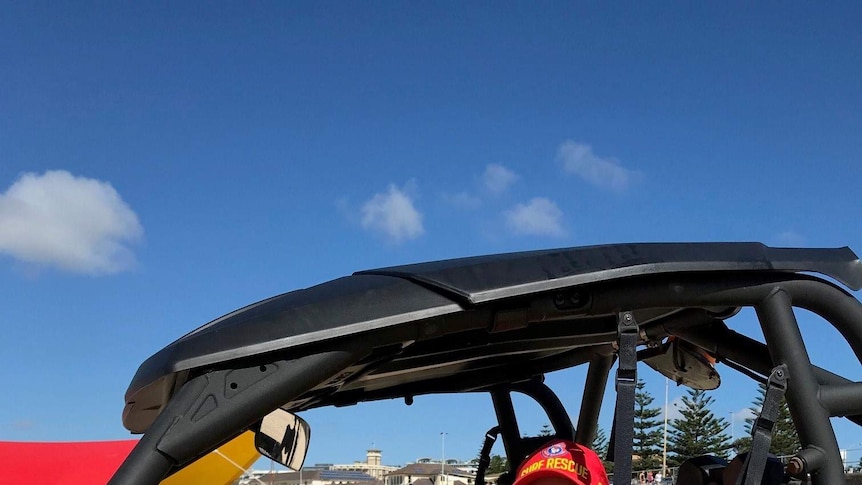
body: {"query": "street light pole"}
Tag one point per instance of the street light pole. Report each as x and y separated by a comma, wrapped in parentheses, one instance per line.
(732, 425)
(443, 458)
(664, 451)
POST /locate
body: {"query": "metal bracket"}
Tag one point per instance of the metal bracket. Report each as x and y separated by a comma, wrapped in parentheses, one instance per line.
(761, 429)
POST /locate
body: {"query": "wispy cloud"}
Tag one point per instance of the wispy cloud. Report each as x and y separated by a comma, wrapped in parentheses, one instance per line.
(743, 414)
(22, 424)
(790, 239)
(462, 200)
(738, 424)
(497, 178)
(392, 214)
(538, 217)
(73, 223)
(607, 173)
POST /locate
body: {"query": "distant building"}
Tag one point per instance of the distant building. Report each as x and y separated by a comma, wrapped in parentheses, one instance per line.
(471, 466)
(373, 465)
(372, 472)
(316, 477)
(428, 474)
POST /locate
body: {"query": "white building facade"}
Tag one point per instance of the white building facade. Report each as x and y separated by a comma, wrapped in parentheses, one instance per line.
(373, 465)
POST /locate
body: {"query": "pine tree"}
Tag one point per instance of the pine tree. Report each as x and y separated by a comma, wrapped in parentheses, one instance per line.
(741, 444)
(699, 432)
(646, 445)
(600, 443)
(498, 464)
(785, 440)
(546, 430)
(600, 446)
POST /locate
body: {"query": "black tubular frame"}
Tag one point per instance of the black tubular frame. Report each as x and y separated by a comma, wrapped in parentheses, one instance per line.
(516, 446)
(813, 394)
(591, 403)
(209, 409)
(787, 348)
(205, 413)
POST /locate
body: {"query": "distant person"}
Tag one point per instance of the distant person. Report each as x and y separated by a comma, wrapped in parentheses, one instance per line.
(642, 478)
(649, 477)
(658, 477)
(562, 462)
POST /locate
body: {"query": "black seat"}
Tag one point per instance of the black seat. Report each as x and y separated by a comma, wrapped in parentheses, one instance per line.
(702, 470)
(773, 473)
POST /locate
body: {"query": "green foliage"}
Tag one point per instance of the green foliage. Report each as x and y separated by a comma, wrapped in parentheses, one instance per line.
(698, 432)
(648, 436)
(742, 444)
(600, 442)
(546, 430)
(600, 446)
(498, 464)
(785, 441)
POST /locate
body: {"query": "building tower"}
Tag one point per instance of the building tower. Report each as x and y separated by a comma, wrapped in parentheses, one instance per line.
(373, 457)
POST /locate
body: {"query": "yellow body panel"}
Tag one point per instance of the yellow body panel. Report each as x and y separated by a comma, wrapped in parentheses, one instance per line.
(222, 466)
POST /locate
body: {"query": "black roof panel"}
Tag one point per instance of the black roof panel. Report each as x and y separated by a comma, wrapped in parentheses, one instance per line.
(455, 293)
(485, 278)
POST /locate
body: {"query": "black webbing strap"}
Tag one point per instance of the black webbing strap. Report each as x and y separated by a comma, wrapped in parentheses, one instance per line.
(626, 381)
(761, 430)
(485, 454)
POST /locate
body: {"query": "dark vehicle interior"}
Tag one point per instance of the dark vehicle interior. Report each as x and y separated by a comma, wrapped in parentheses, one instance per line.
(497, 324)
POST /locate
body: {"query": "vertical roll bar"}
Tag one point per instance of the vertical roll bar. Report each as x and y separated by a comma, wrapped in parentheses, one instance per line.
(786, 347)
(591, 402)
(508, 424)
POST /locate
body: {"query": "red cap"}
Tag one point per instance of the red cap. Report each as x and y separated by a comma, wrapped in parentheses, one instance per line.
(564, 459)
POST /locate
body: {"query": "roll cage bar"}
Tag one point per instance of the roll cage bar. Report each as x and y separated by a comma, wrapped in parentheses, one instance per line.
(215, 404)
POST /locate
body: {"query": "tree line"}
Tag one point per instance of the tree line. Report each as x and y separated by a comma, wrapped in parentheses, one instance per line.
(696, 432)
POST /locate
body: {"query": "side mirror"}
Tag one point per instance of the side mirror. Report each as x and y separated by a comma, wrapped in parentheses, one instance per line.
(283, 437)
(683, 363)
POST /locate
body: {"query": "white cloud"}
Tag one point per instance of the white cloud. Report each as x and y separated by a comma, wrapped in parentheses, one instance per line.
(743, 414)
(498, 178)
(73, 223)
(579, 159)
(539, 217)
(393, 214)
(738, 424)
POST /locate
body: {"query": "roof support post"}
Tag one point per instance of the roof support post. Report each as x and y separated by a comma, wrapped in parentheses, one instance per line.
(508, 425)
(591, 402)
(786, 347)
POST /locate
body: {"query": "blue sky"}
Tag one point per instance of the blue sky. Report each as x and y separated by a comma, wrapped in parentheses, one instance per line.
(163, 164)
